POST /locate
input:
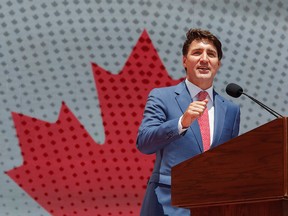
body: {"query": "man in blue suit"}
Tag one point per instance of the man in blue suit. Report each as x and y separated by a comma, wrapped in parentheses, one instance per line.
(170, 126)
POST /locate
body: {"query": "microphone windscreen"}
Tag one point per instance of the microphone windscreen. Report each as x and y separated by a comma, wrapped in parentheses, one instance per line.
(234, 90)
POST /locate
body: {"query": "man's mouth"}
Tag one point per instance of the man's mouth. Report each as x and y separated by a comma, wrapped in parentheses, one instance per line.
(204, 69)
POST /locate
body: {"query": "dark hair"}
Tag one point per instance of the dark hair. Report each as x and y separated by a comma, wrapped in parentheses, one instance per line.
(200, 34)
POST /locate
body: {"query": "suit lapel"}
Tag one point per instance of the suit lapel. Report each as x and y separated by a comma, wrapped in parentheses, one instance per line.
(219, 118)
(183, 99)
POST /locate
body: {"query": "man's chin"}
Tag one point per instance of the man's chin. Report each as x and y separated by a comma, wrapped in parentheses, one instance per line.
(205, 76)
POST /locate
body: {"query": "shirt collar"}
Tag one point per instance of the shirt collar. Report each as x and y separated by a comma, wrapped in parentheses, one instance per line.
(194, 90)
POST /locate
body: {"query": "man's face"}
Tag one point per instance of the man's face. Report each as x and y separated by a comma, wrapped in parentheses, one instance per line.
(201, 63)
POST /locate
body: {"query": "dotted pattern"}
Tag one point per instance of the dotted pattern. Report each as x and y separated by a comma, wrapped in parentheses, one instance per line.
(46, 49)
(67, 172)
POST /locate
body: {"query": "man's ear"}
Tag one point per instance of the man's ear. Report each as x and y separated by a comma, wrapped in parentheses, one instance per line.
(219, 64)
(184, 61)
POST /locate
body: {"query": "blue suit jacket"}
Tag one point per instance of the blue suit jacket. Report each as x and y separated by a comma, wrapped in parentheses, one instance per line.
(159, 133)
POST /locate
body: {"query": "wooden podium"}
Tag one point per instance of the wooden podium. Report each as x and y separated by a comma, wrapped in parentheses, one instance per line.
(246, 176)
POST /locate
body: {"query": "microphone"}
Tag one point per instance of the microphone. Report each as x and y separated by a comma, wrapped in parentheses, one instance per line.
(236, 91)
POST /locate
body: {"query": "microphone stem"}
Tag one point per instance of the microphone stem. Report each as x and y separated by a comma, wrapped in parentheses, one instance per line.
(273, 112)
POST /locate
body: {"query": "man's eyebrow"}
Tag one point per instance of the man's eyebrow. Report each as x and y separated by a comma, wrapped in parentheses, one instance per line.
(199, 49)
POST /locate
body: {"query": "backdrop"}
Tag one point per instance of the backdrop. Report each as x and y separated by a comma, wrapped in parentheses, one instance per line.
(74, 81)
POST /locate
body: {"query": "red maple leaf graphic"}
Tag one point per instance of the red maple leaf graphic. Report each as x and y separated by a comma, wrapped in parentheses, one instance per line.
(67, 172)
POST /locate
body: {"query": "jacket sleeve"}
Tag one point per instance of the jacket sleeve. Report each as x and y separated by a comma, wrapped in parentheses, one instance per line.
(157, 130)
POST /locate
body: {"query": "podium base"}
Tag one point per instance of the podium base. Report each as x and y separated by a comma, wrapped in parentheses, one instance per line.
(271, 208)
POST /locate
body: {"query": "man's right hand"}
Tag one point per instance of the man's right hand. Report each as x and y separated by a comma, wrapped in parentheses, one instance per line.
(194, 111)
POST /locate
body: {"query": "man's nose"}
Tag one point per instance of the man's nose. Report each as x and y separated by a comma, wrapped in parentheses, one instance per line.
(204, 57)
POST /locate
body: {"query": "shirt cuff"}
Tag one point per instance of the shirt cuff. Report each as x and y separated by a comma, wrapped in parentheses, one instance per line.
(181, 130)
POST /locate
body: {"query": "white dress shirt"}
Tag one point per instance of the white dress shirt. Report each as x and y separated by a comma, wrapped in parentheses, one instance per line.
(194, 90)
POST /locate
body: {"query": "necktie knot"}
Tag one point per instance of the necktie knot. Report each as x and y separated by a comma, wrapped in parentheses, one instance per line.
(202, 95)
